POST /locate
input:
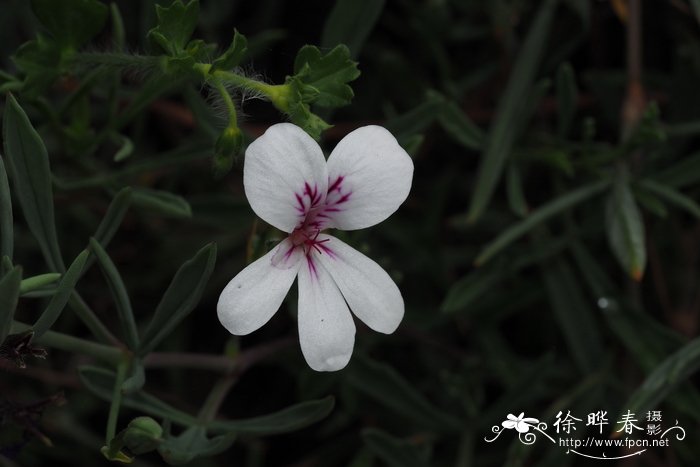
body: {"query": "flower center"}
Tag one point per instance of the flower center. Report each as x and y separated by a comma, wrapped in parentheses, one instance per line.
(306, 237)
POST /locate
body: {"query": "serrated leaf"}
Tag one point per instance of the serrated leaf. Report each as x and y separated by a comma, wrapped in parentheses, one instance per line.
(395, 452)
(182, 295)
(388, 387)
(163, 202)
(119, 294)
(233, 55)
(191, 444)
(509, 113)
(60, 298)
(72, 23)
(625, 229)
(350, 22)
(9, 295)
(28, 164)
(176, 24)
(327, 75)
(7, 236)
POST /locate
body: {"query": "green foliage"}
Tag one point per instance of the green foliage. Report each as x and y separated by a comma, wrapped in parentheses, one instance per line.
(176, 24)
(10, 283)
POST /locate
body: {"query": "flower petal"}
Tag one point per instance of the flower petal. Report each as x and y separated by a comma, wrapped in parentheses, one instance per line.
(369, 177)
(509, 424)
(326, 328)
(521, 427)
(284, 175)
(255, 294)
(371, 294)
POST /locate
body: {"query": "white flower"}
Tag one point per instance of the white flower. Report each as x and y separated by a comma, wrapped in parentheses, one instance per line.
(289, 185)
(522, 425)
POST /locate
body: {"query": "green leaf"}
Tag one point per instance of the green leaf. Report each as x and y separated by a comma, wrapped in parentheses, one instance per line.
(7, 235)
(136, 379)
(176, 24)
(191, 444)
(467, 290)
(387, 386)
(510, 109)
(456, 123)
(672, 196)
(36, 282)
(233, 56)
(574, 316)
(287, 420)
(119, 294)
(9, 295)
(113, 217)
(180, 298)
(350, 22)
(417, 119)
(683, 174)
(60, 298)
(162, 202)
(514, 190)
(41, 62)
(625, 229)
(325, 77)
(395, 452)
(100, 382)
(673, 371)
(126, 147)
(28, 163)
(72, 23)
(567, 94)
(537, 216)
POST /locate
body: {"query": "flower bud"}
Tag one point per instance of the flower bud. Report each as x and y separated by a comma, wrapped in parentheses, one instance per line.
(143, 434)
(227, 146)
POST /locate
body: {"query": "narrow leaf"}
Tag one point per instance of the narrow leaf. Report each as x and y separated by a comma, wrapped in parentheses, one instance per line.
(350, 22)
(36, 282)
(456, 123)
(538, 216)
(28, 164)
(625, 229)
(567, 94)
(119, 294)
(113, 217)
(672, 196)
(510, 108)
(514, 189)
(387, 386)
(161, 202)
(180, 298)
(9, 294)
(60, 298)
(6, 223)
(395, 452)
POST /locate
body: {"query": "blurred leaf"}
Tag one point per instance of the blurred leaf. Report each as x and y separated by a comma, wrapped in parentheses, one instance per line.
(567, 95)
(350, 22)
(233, 55)
(60, 298)
(287, 420)
(36, 282)
(126, 147)
(136, 379)
(325, 76)
(514, 190)
(28, 164)
(395, 452)
(119, 294)
(117, 23)
(7, 236)
(625, 229)
(510, 107)
(113, 217)
(695, 5)
(672, 196)
(182, 295)
(192, 443)
(574, 316)
(176, 23)
(162, 202)
(456, 123)
(417, 119)
(387, 386)
(466, 290)
(9, 295)
(673, 371)
(650, 202)
(537, 216)
(685, 173)
(72, 23)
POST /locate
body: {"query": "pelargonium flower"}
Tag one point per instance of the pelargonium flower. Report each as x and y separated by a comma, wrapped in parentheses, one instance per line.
(290, 185)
